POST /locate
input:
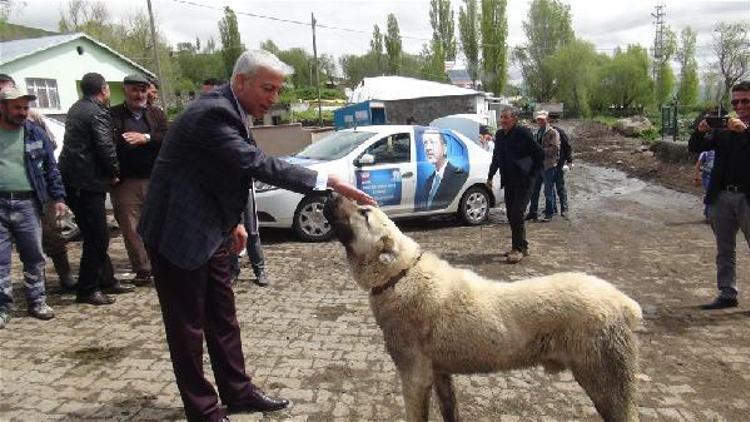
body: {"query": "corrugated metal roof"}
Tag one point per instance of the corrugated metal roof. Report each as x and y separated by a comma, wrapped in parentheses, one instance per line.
(17, 49)
(389, 88)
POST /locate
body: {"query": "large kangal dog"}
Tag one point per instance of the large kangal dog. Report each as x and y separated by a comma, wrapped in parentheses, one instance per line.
(438, 320)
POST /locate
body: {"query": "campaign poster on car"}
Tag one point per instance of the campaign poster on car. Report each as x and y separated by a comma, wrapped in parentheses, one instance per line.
(442, 168)
(382, 184)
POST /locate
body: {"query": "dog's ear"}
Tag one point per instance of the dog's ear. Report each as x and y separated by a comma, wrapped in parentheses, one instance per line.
(386, 250)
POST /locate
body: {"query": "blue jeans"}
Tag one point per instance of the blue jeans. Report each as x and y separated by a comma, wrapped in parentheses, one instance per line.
(550, 198)
(21, 220)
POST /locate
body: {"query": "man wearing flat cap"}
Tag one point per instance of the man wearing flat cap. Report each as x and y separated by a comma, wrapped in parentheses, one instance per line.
(138, 131)
(29, 178)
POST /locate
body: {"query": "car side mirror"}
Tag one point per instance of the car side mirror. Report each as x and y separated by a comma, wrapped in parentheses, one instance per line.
(365, 159)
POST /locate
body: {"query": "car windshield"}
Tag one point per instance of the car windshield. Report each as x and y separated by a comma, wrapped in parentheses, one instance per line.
(334, 146)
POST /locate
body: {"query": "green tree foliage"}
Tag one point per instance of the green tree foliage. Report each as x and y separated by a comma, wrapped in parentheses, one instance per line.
(468, 29)
(231, 45)
(732, 49)
(356, 68)
(131, 37)
(393, 46)
(624, 80)
(575, 68)
(197, 65)
(376, 49)
(664, 75)
(441, 19)
(494, 30)
(687, 92)
(433, 62)
(548, 27)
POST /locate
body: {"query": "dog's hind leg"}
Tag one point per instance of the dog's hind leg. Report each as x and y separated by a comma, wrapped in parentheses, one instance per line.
(446, 396)
(416, 383)
(608, 375)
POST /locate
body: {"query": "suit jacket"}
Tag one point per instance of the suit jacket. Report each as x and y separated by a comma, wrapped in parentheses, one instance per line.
(200, 181)
(136, 162)
(517, 155)
(450, 185)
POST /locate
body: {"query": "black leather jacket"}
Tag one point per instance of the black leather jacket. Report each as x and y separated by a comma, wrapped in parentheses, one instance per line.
(88, 160)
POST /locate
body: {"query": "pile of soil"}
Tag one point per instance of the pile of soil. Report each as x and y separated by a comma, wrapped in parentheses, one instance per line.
(595, 143)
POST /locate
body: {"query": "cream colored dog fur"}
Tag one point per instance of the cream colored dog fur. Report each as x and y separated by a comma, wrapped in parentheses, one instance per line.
(438, 320)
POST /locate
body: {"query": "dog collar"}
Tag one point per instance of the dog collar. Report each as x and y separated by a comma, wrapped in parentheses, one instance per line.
(393, 280)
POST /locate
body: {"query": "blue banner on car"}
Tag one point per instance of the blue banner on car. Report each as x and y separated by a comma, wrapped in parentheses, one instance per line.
(383, 184)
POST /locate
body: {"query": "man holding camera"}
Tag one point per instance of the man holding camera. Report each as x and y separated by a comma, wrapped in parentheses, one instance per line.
(728, 195)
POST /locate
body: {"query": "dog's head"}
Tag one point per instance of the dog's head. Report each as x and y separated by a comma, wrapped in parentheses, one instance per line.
(376, 248)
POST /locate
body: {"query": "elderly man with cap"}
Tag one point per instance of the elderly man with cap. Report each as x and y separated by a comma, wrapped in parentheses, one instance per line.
(29, 178)
(138, 131)
(549, 139)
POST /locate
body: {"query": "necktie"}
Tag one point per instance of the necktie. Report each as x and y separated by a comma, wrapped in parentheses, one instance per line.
(433, 189)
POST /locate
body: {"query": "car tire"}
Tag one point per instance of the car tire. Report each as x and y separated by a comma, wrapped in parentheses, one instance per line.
(309, 223)
(474, 208)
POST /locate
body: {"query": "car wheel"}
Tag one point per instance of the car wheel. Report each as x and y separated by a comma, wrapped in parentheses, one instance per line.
(309, 223)
(68, 228)
(474, 207)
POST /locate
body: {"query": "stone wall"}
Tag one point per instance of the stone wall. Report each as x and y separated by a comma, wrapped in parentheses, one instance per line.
(425, 110)
(673, 152)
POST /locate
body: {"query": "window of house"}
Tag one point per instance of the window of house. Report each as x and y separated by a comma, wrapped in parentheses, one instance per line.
(45, 91)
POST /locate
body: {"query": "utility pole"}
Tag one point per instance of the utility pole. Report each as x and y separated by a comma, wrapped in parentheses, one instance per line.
(658, 36)
(162, 81)
(317, 72)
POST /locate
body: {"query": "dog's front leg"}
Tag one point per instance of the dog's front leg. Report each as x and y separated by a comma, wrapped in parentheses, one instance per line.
(416, 382)
(446, 397)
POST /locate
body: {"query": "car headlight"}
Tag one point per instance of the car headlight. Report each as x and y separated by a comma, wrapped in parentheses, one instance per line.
(263, 187)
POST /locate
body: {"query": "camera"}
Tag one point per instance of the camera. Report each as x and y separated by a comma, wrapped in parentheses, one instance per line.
(717, 122)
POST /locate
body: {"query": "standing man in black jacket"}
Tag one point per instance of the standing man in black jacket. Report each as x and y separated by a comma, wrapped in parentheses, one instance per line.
(88, 163)
(728, 194)
(191, 226)
(518, 157)
(139, 129)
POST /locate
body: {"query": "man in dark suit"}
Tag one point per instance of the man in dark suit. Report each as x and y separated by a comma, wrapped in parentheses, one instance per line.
(518, 157)
(191, 226)
(446, 181)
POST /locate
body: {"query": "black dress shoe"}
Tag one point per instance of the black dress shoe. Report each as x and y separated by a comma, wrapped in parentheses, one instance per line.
(97, 298)
(258, 402)
(261, 279)
(721, 303)
(118, 289)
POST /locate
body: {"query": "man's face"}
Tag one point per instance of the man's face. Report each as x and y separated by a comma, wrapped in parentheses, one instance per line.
(258, 93)
(153, 94)
(135, 95)
(741, 104)
(107, 94)
(6, 85)
(205, 89)
(541, 122)
(507, 121)
(14, 112)
(434, 149)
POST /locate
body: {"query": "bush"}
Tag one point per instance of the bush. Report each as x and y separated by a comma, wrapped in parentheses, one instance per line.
(310, 117)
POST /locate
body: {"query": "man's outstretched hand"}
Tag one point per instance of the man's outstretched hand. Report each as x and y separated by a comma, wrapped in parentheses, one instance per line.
(346, 189)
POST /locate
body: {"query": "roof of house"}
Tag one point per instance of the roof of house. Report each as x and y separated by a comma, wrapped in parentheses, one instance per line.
(457, 75)
(390, 88)
(18, 49)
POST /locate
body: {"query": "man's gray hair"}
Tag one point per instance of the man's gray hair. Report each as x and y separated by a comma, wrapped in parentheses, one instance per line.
(250, 61)
(512, 111)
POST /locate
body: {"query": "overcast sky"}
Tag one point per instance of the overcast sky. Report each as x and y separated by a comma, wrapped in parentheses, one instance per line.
(607, 24)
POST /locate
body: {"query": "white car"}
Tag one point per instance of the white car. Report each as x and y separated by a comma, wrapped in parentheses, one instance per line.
(409, 170)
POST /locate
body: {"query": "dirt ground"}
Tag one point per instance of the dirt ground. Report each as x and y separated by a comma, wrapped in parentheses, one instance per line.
(310, 336)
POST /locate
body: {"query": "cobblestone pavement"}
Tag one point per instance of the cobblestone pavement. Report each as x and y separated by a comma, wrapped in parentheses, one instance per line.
(310, 336)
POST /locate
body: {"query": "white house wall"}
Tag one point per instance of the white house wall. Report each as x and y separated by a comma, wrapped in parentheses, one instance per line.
(64, 64)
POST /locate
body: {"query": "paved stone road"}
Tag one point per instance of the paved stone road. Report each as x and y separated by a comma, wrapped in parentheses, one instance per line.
(310, 336)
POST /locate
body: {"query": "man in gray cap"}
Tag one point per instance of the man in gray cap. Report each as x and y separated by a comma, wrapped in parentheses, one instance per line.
(28, 179)
(138, 131)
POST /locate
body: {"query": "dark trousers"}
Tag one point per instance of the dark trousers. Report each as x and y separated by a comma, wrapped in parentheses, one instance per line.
(516, 200)
(95, 270)
(195, 304)
(536, 188)
(562, 191)
(728, 214)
